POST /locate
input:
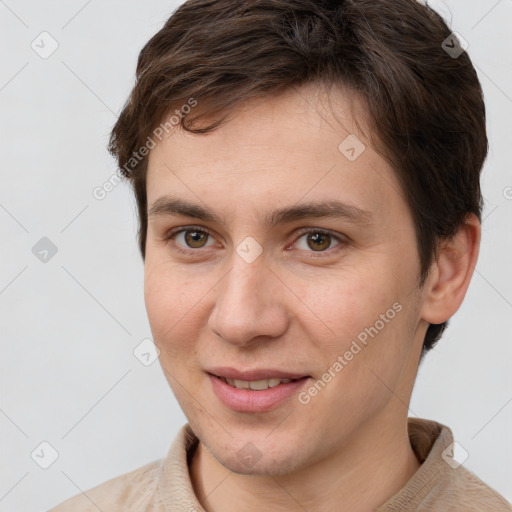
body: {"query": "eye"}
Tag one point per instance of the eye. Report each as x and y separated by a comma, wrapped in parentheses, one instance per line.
(317, 240)
(190, 238)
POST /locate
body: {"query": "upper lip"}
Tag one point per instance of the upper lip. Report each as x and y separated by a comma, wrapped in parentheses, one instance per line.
(254, 374)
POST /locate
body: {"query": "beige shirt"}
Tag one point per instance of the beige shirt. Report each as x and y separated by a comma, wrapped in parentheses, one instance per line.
(440, 484)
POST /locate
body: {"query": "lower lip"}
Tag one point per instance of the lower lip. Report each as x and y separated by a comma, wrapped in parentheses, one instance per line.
(243, 400)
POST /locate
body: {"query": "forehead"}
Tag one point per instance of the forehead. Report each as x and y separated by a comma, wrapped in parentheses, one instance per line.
(302, 144)
(294, 119)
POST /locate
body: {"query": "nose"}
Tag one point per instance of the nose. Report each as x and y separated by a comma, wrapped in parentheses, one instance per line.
(250, 305)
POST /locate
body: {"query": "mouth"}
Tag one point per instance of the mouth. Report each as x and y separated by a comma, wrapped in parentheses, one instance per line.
(256, 390)
(256, 385)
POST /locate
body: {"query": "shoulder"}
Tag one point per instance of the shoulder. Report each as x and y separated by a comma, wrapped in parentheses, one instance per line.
(158, 485)
(131, 489)
(469, 493)
(441, 483)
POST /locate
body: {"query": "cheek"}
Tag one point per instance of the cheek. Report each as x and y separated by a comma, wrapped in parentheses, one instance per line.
(363, 365)
(171, 306)
(343, 305)
(365, 327)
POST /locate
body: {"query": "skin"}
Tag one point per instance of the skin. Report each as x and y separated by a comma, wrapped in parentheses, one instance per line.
(295, 308)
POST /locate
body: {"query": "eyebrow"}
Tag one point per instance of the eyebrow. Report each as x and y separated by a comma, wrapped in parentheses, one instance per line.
(314, 210)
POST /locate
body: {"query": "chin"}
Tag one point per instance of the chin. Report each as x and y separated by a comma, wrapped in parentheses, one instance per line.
(275, 467)
(260, 457)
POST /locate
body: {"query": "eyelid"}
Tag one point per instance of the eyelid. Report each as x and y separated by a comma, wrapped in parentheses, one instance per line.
(338, 236)
(172, 232)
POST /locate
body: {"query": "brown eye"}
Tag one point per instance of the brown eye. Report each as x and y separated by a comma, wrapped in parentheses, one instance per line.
(189, 239)
(318, 241)
(195, 239)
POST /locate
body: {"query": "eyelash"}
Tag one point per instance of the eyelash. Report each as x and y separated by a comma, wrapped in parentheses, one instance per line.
(315, 254)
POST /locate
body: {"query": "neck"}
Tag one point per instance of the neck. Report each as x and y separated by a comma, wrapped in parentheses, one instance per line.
(375, 464)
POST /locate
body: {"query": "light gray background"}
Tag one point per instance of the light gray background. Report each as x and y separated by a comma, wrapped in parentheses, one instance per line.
(69, 326)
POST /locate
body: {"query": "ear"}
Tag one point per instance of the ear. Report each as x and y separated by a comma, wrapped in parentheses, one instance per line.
(451, 273)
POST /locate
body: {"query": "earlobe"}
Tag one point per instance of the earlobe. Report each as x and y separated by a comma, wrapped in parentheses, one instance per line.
(451, 273)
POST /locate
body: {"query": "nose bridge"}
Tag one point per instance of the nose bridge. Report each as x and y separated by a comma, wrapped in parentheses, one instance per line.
(244, 281)
(247, 304)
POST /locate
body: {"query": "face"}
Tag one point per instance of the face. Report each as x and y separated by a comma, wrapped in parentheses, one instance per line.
(279, 249)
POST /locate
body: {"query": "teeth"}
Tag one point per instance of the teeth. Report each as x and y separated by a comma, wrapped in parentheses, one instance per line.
(241, 384)
(258, 385)
(255, 385)
(274, 382)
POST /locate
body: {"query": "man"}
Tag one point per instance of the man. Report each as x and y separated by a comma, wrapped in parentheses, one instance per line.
(307, 178)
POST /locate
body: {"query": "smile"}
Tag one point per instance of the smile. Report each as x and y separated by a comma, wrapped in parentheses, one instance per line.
(255, 385)
(257, 393)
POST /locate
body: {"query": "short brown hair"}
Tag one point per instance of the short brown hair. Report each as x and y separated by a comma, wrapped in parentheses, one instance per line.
(425, 105)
